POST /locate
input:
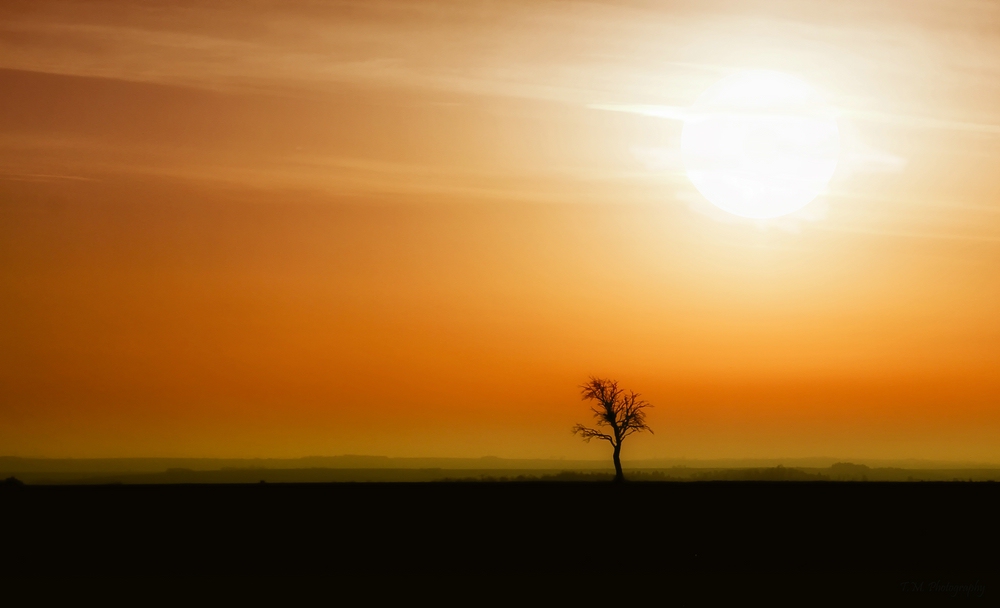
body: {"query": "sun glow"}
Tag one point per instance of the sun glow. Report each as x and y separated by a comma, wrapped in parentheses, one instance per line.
(760, 144)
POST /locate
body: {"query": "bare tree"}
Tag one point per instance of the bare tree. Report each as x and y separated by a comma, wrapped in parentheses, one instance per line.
(617, 411)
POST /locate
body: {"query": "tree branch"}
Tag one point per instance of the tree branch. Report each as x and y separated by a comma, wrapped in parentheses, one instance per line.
(614, 408)
(588, 433)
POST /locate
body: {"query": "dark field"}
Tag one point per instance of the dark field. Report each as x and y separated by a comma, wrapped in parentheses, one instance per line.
(881, 534)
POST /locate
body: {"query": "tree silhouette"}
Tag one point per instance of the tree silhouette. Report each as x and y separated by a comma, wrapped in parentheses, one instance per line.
(617, 411)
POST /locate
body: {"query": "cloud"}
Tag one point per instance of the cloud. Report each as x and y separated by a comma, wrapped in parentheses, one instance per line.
(793, 223)
(668, 112)
(659, 160)
(866, 159)
(915, 122)
(635, 58)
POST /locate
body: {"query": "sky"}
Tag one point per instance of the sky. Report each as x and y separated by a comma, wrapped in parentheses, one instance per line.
(279, 229)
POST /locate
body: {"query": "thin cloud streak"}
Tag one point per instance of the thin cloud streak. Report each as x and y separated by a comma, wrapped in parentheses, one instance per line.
(909, 235)
(45, 177)
(606, 55)
(922, 122)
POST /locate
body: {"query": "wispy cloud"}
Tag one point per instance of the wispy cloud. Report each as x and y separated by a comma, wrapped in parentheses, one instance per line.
(633, 57)
(918, 122)
(44, 177)
(908, 65)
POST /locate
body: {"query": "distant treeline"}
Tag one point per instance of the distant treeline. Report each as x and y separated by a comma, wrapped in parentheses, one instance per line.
(842, 471)
(838, 472)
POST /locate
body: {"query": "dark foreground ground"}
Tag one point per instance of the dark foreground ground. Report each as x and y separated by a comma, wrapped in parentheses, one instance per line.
(908, 540)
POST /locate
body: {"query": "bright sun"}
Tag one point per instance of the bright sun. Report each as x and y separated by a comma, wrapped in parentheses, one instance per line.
(760, 144)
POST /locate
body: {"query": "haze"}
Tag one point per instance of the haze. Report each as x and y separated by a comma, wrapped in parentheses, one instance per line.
(414, 229)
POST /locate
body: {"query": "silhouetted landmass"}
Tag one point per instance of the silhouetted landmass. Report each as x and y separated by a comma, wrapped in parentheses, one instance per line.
(174, 471)
(778, 473)
(848, 471)
(767, 536)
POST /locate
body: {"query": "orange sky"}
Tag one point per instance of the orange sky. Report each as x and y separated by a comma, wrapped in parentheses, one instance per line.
(295, 228)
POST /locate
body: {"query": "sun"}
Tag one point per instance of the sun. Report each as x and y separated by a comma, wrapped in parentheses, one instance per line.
(760, 144)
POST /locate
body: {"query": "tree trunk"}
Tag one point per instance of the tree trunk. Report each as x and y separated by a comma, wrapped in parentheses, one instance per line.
(619, 475)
